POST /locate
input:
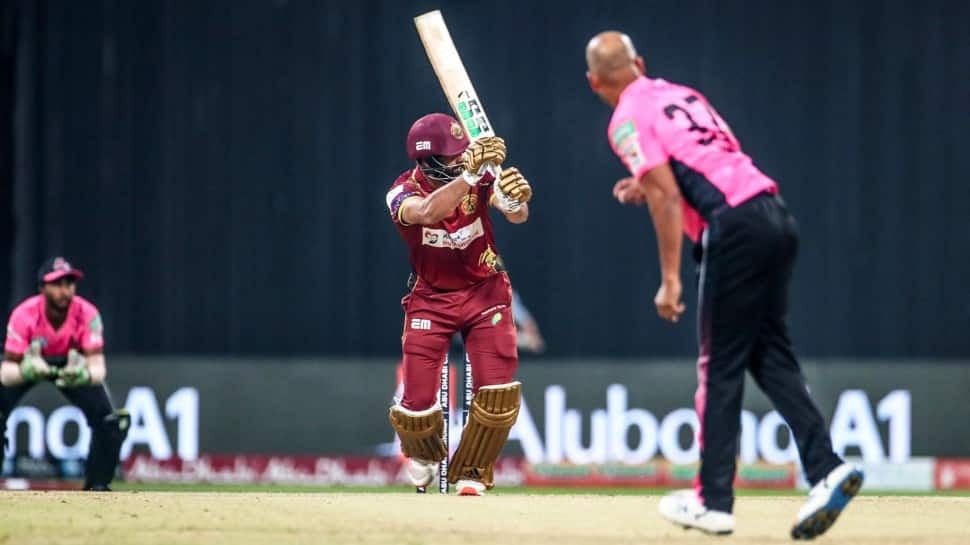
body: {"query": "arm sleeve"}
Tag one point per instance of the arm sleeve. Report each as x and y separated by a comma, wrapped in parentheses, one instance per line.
(18, 333)
(396, 196)
(635, 142)
(92, 336)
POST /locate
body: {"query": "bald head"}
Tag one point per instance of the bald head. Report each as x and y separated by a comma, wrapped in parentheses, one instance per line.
(609, 52)
(612, 64)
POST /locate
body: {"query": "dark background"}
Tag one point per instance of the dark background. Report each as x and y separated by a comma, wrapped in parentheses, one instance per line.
(218, 168)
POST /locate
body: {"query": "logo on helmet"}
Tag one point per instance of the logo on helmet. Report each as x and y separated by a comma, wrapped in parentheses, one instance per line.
(457, 132)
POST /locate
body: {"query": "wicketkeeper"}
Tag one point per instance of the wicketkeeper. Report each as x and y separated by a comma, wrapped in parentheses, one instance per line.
(57, 336)
(440, 208)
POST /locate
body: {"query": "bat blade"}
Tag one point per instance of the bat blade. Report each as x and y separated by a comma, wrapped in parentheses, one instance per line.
(452, 75)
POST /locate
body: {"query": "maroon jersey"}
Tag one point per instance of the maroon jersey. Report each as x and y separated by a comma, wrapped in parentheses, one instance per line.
(456, 252)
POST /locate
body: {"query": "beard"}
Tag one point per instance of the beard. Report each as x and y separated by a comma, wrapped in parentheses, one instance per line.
(60, 303)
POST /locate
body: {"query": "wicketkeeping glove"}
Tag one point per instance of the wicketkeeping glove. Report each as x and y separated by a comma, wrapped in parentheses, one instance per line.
(490, 149)
(514, 185)
(75, 373)
(33, 367)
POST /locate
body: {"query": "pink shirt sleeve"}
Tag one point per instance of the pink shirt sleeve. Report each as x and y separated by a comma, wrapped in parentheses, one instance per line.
(92, 334)
(18, 332)
(635, 142)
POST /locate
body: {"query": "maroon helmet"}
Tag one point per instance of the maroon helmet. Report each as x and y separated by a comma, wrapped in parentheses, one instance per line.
(436, 135)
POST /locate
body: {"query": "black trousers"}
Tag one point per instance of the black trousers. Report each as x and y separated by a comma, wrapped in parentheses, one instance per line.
(95, 403)
(746, 265)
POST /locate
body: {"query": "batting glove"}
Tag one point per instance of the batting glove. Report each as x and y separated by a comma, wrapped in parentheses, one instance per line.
(503, 201)
(482, 152)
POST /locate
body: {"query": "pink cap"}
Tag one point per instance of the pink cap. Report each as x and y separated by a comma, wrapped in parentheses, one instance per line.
(56, 268)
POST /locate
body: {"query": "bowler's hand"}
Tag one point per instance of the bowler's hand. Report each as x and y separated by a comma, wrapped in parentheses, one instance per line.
(529, 338)
(667, 300)
(628, 191)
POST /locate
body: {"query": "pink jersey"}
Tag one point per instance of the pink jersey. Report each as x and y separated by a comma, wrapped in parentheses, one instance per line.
(658, 122)
(81, 330)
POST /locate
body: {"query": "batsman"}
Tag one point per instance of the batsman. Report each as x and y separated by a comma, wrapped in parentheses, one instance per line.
(440, 208)
(57, 336)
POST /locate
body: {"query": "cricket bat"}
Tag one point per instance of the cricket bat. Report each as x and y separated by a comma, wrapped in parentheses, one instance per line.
(451, 74)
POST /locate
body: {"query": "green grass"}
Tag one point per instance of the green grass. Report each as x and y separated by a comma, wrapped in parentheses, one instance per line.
(621, 491)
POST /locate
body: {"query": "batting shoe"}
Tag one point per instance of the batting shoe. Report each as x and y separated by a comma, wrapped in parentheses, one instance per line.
(468, 487)
(684, 508)
(421, 472)
(826, 501)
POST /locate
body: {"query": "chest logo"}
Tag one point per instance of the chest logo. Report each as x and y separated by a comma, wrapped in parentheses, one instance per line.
(469, 204)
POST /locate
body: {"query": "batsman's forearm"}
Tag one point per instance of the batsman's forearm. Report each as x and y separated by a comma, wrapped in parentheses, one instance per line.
(668, 220)
(442, 202)
(10, 374)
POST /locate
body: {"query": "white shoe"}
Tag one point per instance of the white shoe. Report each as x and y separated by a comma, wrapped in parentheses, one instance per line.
(465, 487)
(683, 507)
(826, 501)
(421, 472)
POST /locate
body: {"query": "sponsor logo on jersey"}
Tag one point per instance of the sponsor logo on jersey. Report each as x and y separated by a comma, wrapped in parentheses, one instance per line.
(626, 140)
(394, 192)
(624, 131)
(458, 240)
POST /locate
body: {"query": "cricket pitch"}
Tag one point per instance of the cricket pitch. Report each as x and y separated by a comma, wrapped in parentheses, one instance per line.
(28, 518)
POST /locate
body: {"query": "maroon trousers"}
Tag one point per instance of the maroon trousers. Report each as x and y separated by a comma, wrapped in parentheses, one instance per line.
(482, 313)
